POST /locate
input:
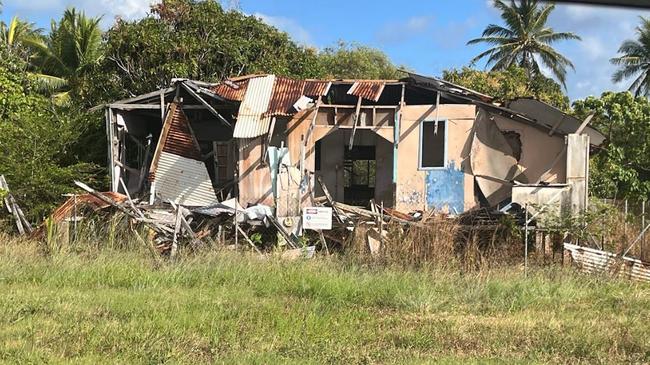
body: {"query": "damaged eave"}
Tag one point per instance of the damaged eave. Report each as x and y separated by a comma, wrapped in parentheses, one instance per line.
(192, 89)
(136, 100)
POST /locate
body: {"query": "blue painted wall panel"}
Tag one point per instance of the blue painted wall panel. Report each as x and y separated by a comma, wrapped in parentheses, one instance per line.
(445, 188)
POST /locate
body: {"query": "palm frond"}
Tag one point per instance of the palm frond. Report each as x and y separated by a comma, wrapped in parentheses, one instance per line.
(48, 83)
(551, 37)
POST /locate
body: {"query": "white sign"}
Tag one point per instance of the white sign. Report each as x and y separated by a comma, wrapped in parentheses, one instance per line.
(317, 218)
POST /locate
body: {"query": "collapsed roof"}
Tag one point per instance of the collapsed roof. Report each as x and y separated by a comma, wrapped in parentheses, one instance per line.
(264, 96)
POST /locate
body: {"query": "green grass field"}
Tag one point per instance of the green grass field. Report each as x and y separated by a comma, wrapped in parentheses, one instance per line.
(123, 307)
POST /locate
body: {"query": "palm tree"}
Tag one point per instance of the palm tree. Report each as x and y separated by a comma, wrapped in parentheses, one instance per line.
(17, 33)
(524, 40)
(68, 53)
(635, 60)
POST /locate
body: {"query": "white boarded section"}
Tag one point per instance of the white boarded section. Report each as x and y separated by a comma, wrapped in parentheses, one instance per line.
(251, 121)
(184, 181)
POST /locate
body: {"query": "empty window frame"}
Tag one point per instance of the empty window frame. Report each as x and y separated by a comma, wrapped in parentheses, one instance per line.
(433, 145)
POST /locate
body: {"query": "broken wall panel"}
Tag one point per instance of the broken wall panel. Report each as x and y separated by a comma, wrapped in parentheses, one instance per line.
(538, 151)
(255, 186)
(492, 159)
(445, 189)
(578, 170)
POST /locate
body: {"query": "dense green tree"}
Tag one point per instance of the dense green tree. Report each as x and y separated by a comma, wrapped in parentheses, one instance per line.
(509, 84)
(355, 61)
(197, 40)
(622, 168)
(40, 154)
(69, 53)
(525, 39)
(635, 60)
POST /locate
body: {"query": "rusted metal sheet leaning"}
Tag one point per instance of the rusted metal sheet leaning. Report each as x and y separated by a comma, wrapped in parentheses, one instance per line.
(596, 261)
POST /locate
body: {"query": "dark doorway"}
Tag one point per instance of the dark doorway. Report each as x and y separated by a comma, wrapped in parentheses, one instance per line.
(359, 172)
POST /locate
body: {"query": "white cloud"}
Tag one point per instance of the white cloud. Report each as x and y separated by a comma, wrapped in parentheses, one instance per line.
(594, 48)
(602, 29)
(293, 28)
(129, 9)
(108, 9)
(395, 32)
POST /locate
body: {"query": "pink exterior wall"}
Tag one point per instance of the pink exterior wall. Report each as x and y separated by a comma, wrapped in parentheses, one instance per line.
(254, 176)
(538, 151)
(411, 186)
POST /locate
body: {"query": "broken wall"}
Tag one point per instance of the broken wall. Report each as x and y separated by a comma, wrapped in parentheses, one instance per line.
(538, 152)
(255, 185)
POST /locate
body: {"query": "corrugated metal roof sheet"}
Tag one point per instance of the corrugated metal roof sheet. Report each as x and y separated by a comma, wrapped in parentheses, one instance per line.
(251, 121)
(316, 88)
(285, 93)
(184, 181)
(370, 90)
(227, 90)
(180, 139)
(602, 262)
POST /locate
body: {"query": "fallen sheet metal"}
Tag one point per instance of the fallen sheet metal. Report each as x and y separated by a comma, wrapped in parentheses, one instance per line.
(184, 181)
(595, 261)
(178, 173)
(75, 205)
(251, 119)
(492, 159)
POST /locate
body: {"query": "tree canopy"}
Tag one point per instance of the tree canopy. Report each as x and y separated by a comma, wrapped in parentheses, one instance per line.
(197, 40)
(40, 144)
(509, 84)
(354, 61)
(621, 169)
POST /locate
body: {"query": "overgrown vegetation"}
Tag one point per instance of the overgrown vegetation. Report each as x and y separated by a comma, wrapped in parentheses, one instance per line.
(622, 168)
(42, 147)
(120, 306)
(511, 83)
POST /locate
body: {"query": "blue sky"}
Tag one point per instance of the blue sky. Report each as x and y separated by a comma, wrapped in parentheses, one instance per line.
(427, 36)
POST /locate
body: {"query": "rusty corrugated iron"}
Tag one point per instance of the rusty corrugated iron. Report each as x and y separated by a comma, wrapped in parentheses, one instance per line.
(180, 140)
(231, 90)
(316, 88)
(251, 119)
(370, 90)
(285, 93)
(595, 261)
(79, 203)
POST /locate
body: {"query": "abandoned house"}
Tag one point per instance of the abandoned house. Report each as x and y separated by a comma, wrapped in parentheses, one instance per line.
(419, 143)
